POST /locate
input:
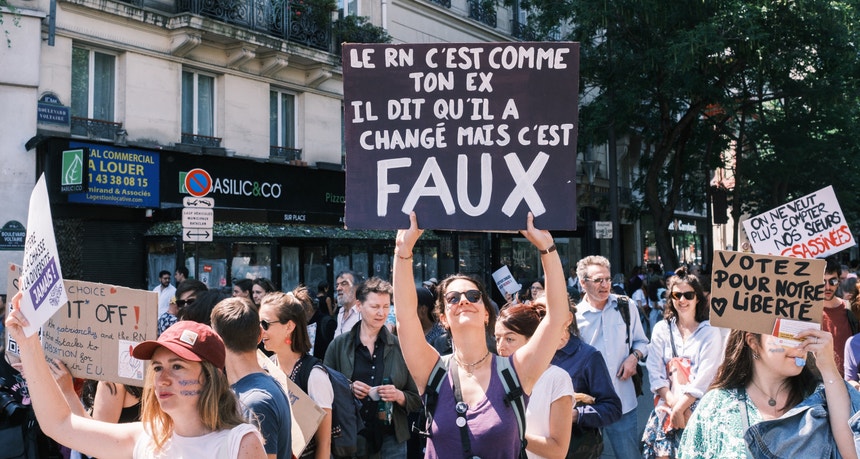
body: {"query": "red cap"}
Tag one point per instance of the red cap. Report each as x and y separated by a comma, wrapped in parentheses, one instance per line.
(189, 340)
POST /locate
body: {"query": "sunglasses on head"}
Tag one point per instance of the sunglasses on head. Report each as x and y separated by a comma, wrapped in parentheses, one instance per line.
(686, 295)
(472, 296)
(183, 303)
(833, 281)
(266, 324)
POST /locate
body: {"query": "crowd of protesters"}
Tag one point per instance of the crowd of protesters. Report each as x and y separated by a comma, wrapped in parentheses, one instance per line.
(450, 367)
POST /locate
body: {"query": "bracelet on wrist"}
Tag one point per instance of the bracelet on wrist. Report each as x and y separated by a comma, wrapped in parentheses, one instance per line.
(548, 250)
(397, 252)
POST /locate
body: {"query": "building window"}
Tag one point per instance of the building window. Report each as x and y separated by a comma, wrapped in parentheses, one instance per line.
(198, 104)
(348, 8)
(93, 80)
(282, 119)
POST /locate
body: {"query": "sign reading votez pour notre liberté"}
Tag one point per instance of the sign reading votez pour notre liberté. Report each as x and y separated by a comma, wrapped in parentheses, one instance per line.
(469, 136)
(810, 227)
(749, 291)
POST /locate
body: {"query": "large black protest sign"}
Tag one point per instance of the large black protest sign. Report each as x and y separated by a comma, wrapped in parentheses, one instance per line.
(469, 136)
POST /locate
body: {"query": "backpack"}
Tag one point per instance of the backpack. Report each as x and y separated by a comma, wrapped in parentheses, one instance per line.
(514, 395)
(346, 421)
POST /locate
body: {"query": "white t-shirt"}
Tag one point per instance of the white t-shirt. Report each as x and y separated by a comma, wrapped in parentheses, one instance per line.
(223, 444)
(552, 385)
(164, 297)
(319, 388)
(640, 298)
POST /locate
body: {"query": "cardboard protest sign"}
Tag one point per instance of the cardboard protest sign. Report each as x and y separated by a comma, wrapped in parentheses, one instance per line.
(306, 414)
(471, 136)
(94, 333)
(750, 292)
(41, 278)
(810, 227)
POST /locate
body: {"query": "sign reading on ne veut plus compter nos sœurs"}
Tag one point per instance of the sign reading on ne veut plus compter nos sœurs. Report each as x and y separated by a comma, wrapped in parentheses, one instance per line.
(469, 136)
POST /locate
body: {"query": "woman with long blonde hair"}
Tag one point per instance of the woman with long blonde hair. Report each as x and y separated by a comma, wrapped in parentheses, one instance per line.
(187, 408)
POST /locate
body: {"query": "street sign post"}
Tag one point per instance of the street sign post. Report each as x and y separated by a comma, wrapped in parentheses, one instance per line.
(603, 230)
(197, 234)
(193, 217)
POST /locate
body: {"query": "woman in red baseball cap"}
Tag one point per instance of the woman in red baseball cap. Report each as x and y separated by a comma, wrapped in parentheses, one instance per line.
(188, 410)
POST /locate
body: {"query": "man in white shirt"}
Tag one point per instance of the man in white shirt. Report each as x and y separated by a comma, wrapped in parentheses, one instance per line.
(601, 325)
(165, 292)
(347, 313)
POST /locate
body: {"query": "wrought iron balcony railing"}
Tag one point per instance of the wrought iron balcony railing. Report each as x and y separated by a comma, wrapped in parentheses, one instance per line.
(483, 11)
(94, 129)
(445, 3)
(200, 140)
(295, 21)
(284, 154)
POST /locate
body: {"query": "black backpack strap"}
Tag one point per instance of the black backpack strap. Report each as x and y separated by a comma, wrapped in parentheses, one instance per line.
(624, 308)
(514, 397)
(307, 362)
(434, 384)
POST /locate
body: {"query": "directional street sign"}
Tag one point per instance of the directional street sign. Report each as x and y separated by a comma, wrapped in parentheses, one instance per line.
(197, 235)
(193, 217)
(203, 203)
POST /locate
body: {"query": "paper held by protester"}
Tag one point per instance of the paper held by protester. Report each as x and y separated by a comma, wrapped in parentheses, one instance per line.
(41, 278)
(505, 281)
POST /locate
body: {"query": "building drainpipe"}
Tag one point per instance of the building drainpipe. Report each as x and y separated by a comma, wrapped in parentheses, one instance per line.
(384, 14)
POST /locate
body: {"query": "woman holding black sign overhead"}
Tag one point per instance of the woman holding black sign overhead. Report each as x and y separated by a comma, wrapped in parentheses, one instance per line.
(474, 418)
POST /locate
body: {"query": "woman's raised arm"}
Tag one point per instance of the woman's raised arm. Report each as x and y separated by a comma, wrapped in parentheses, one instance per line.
(534, 357)
(419, 355)
(94, 438)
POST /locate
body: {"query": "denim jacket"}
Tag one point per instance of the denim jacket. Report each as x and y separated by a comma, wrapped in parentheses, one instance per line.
(802, 431)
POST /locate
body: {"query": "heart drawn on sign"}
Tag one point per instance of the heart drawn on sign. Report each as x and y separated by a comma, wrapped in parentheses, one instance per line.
(718, 305)
(112, 290)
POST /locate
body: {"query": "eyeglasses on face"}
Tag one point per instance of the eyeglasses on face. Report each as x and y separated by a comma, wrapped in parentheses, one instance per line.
(833, 281)
(599, 280)
(183, 303)
(472, 296)
(266, 324)
(685, 295)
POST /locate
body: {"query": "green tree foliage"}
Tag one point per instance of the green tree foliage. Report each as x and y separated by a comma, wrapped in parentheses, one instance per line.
(775, 81)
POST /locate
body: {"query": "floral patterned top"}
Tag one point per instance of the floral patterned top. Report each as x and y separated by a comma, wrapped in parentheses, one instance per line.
(716, 428)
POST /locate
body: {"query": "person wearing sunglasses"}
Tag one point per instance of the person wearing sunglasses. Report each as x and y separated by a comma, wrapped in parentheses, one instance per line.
(186, 292)
(838, 318)
(464, 309)
(284, 320)
(620, 338)
(685, 336)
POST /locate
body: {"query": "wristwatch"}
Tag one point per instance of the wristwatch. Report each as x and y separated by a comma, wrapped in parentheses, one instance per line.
(638, 354)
